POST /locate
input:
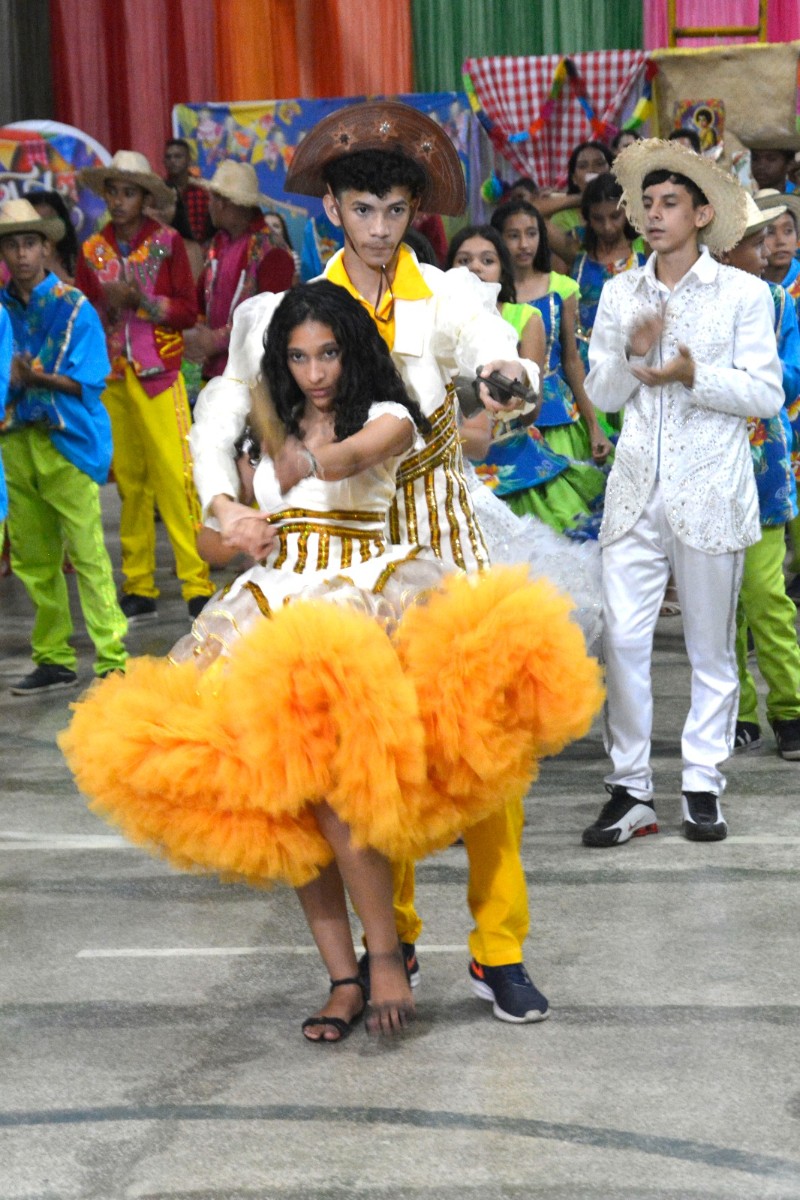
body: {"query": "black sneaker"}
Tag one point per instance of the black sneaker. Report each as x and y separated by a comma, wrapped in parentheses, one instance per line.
(409, 958)
(748, 737)
(621, 818)
(514, 996)
(702, 817)
(196, 605)
(47, 677)
(787, 735)
(138, 608)
(793, 589)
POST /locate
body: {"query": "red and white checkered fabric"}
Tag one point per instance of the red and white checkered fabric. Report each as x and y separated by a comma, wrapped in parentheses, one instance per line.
(512, 91)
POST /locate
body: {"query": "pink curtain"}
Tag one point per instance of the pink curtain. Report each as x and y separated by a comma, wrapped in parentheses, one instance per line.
(120, 65)
(783, 20)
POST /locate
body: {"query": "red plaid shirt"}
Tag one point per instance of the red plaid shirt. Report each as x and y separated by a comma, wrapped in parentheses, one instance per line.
(195, 201)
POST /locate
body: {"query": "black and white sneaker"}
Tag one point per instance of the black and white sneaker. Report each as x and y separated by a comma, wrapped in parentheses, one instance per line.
(787, 735)
(47, 677)
(747, 737)
(702, 817)
(621, 818)
(514, 995)
(138, 608)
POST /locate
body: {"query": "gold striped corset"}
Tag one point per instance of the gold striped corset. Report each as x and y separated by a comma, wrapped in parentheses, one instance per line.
(439, 443)
(319, 541)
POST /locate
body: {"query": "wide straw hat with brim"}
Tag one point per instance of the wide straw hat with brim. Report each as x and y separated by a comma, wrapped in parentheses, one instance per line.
(759, 218)
(770, 198)
(723, 192)
(127, 166)
(19, 216)
(237, 182)
(382, 125)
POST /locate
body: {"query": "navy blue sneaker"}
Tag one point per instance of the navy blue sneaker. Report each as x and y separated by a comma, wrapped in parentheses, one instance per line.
(514, 996)
(702, 817)
(138, 608)
(409, 958)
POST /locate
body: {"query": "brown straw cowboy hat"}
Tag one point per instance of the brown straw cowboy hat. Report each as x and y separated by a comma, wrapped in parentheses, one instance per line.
(130, 167)
(19, 216)
(382, 125)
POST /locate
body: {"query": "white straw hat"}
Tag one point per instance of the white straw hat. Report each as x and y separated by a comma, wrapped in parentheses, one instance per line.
(237, 182)
(19, 216)
(724, 193)
(131, 167)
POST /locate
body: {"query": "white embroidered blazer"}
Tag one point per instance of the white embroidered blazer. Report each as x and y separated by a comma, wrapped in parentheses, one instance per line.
(693, 442)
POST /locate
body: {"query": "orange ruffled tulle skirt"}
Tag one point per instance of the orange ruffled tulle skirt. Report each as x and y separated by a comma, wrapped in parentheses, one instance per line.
(410, 738)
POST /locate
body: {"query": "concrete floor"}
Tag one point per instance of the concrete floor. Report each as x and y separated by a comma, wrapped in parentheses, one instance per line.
(149, 1021)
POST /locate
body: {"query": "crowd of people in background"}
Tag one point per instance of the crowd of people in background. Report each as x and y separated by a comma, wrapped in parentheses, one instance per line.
(165, 275)
(650, 401)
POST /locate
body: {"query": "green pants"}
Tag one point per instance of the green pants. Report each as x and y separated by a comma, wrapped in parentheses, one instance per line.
(770, 614)
(52, 507)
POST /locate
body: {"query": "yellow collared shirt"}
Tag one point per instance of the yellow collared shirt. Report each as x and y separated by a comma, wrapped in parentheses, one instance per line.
(408, 284)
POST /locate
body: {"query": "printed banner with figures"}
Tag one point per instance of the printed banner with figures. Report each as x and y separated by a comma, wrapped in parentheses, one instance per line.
(45, 156)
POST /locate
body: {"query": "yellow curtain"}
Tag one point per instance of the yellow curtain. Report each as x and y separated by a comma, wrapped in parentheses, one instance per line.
(257, 56)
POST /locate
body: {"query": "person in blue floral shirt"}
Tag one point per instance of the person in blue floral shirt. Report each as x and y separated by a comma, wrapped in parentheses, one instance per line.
(764, 607)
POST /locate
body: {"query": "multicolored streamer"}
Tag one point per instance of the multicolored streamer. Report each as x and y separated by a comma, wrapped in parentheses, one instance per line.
(644, 106)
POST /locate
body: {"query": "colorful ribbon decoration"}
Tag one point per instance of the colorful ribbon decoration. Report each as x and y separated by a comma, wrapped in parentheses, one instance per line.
(644, 106)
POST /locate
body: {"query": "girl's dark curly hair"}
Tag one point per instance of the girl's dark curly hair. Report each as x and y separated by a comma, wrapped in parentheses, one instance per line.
(542, 260)
(508, 292)
(604, 187)
(368, 373)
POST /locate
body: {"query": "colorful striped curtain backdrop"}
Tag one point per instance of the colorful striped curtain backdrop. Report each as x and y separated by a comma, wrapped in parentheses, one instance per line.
(114, 68)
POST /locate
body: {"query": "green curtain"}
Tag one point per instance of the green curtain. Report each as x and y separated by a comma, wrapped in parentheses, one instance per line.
(446, 32)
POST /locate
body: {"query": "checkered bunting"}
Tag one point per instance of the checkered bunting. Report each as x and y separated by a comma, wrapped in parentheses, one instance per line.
(512, 91)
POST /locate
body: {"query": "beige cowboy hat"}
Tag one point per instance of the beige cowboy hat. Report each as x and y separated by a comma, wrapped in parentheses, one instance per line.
(131, 167)
(237, 182)
(724, 193)
(768, 198)
(759, 216)
(19, 216)
(382, 125)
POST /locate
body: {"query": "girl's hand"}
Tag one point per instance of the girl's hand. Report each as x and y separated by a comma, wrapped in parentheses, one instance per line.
(292, 463)
(601, 446)
(243, 528)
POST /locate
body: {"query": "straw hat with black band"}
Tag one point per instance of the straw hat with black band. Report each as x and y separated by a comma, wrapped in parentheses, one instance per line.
(724, 193)
(19, 216)
(384, 125)
(127, 166)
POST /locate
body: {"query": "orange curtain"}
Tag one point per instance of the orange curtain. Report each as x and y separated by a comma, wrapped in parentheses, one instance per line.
(280, 49)
(256, 50)
(348, 48)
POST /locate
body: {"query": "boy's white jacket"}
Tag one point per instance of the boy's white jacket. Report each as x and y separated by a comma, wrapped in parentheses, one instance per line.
(693, 442)
(452, 332)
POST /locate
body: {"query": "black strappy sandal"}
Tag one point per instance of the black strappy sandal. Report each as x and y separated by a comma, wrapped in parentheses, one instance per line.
(342, 1027)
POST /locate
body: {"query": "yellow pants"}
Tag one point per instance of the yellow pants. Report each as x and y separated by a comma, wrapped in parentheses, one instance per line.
(497, 895)
(153, 465)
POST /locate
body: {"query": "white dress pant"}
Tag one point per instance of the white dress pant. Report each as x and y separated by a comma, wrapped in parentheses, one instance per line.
(635, 572)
